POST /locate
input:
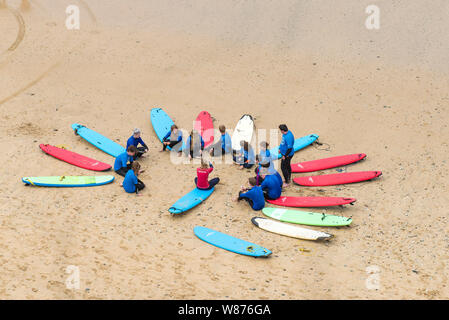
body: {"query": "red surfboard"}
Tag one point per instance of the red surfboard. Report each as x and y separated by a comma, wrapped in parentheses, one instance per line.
(205, 127)
(327, 163)
(306, 202)
(74, 158)
(336, 178)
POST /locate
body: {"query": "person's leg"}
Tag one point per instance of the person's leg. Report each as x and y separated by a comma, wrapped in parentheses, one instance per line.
(250, 202)
(248, 165)
(122, 171)
(139, 153)
(284, 169)
(288, 169)
(140, 185)
(213, 182)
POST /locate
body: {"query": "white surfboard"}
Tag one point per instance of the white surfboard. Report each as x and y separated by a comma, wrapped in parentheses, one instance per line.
(243, 131)
(289, 230)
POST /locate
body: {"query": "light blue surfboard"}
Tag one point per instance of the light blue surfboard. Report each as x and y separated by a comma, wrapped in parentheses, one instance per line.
(101, 142)
(190, 200)
(299, 144)
(230, 243)
(68, 181)
(161, 123)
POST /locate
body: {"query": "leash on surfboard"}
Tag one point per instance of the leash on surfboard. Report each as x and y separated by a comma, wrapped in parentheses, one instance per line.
(317, 145)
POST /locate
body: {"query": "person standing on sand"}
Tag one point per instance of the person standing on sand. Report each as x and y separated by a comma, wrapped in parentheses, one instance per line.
(121, 165)
(131, 184)
(134, 140)
(286, 151)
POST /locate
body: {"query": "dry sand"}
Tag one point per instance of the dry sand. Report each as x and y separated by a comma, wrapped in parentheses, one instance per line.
(314, 67)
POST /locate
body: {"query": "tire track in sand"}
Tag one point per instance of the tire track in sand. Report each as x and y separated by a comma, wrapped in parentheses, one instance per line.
(20, 23)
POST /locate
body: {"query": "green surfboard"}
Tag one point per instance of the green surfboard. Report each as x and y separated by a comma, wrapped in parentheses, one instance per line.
(306, 218)
(68, 181)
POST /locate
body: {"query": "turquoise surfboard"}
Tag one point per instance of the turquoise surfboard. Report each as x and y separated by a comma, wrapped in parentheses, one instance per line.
(190, 200)
(101, 142)
(299, 144)
(161, 123)
(230, 243)
(68, 181)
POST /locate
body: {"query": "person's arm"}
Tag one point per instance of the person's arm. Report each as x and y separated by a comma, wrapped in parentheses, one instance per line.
(143, 143)
(166, 136)
(135, 182)
(179, 136)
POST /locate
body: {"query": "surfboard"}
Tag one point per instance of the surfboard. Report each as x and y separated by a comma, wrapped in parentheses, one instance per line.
(104, 144)
(74, 158)
(68, 181)
(243, 131)
(299, 144)
(327, 163)
(205, 127)
(190, 200)
(306, 218)
(336, 178)
(227, 242)
(161, 123)
(289, 230)
(309, 202)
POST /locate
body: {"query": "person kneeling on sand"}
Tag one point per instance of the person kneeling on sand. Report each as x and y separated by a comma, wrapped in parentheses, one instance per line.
(202, 180)
(121, 165)
(253, 195)
(270, 185)
(194, 145)
(134, 140)
(223, 146)
(131, 184)
(245, 157)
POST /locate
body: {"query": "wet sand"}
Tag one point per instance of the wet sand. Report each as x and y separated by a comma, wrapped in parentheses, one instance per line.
(384, 93)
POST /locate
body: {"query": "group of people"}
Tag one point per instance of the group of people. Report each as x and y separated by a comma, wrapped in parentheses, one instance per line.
(266, 184)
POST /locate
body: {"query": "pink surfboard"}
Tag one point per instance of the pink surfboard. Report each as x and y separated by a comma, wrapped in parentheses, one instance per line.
(327, 163)
(205, 127)
(75, 158)
(336, 178)
(306, 202)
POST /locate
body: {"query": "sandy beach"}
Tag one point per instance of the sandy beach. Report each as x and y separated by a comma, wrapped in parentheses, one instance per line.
(312, 66)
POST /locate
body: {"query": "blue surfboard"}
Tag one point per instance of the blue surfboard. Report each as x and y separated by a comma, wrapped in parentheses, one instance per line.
(101, 142)
(190, 200)
(230, 243)
(161, 123)
(299, 144)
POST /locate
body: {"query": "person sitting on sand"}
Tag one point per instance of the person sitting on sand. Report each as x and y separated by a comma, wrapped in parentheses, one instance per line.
(194, 145)
(121, 165)
(253, 195)
(202, 180)
(131, 184)
(223, 146)
(245, 157)
(135, 140)
(172, 138)
(287, 152)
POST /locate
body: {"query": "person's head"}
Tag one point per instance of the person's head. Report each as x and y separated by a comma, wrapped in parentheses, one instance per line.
(222, 129)
(244, 145)
(264, 145)
(252, 181)
(135, 167)
(136, 133)
(204, 164)
(283, 128)
(132, 150)
(174, 128)
(263, 172)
